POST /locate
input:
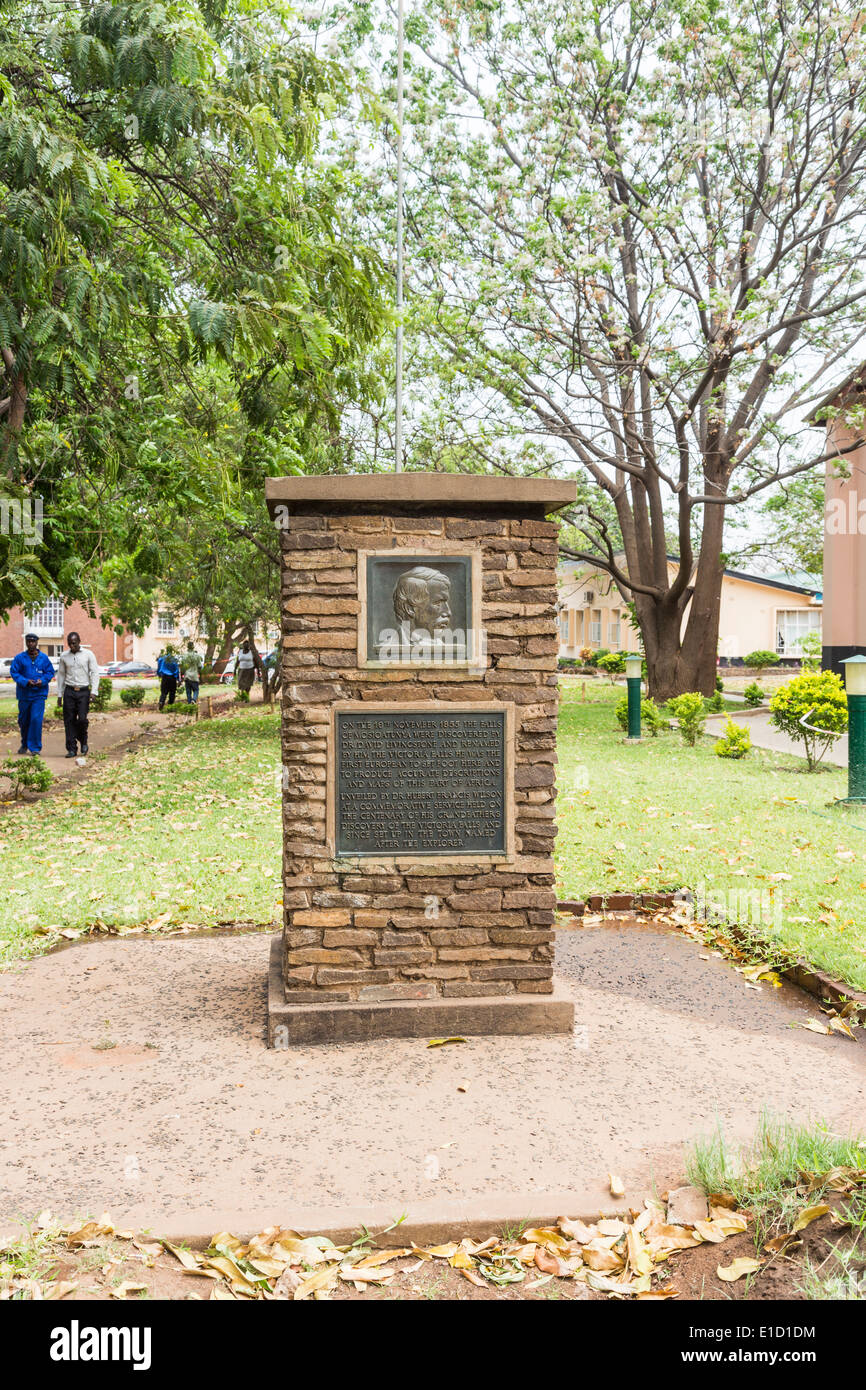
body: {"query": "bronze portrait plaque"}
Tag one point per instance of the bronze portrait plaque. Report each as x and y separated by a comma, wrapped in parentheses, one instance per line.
(418, 608)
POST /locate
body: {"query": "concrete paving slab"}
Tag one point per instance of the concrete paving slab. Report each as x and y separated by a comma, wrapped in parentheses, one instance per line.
(189, 1124)
(766, 735)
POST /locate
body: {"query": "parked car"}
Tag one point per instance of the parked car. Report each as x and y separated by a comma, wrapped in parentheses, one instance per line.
(129, 668)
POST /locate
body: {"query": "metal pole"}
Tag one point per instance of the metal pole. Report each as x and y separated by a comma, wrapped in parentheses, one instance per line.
(857, 748)
(855, 689)
(398, 375)
(633, 684)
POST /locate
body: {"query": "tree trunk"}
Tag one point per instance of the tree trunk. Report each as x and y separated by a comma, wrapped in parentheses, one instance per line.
(227, 642)
(680, 662)
(210, 648)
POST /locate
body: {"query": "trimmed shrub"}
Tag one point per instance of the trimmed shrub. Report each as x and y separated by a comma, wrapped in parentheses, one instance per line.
(761, 659)
(735, 743)
(30, 773)
(133, 695)
(612, 663)
(690, 714)
(651, 719)
(820, 698)
(753, 695)
(716, 703)
(102, 697)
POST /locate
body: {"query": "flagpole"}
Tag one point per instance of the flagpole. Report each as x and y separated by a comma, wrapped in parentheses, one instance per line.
(398, 374)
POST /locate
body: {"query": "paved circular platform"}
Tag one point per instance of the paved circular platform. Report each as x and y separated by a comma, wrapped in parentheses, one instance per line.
(189, 1125)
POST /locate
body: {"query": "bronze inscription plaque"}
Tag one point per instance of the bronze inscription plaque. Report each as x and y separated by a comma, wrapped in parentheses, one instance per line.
(427, 782)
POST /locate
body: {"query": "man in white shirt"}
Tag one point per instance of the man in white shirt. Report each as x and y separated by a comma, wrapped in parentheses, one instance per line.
(77, 679)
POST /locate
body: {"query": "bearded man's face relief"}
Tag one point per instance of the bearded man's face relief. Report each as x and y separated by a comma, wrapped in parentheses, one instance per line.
(422, 597)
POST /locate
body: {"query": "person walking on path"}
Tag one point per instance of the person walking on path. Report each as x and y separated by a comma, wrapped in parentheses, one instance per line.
(245, 667)
(191, 665)
(32, 673)
(169, 672)
(77, 680)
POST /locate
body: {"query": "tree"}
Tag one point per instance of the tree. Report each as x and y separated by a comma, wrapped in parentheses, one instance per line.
(788, 533)
(639, 233)
(162, 212)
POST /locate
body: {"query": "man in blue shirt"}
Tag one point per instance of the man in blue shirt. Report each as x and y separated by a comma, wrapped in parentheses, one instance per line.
(32, 673)
(168, 670)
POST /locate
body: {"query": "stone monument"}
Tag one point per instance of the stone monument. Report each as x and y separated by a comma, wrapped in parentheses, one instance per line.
(418, 751)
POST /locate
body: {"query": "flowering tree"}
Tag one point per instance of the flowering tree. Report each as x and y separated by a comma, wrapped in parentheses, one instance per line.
(184, 305)
(639, 236)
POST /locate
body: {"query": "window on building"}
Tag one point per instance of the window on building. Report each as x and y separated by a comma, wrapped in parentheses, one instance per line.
(165, 625)
(589, 596)
(791, 625)
(595, 628)
(48, 618)
(613, 630)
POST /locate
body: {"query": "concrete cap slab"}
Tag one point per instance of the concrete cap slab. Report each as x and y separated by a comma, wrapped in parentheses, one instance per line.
(444, 491)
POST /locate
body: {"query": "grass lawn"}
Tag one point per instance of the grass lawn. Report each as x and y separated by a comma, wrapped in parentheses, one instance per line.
(756, 833)
(189, 826)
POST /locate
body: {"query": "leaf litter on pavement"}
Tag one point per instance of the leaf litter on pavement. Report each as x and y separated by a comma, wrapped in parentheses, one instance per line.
(621, 1257)
(627, 1256)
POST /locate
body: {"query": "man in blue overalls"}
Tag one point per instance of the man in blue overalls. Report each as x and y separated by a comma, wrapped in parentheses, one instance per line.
(32, 673)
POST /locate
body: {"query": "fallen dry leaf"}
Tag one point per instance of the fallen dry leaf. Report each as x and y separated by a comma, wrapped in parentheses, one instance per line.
(639, 1257)
(60, 1290)
(576, 1230)
(807, 1216)
(381, 1257)
(600, 1257)
(323, 1279)
(460, 1260)
(545, 1235)
(186, 1257)
(838, 1025)
(550, 1264)
(288, 1281)
(734, 1271)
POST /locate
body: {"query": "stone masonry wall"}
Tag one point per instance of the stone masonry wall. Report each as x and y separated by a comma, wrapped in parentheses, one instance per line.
(354, 931)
